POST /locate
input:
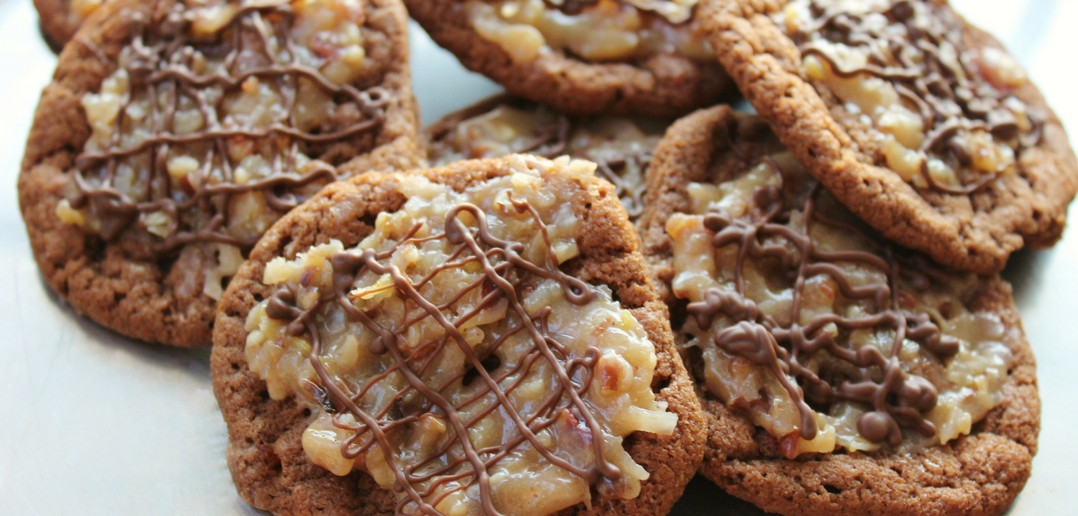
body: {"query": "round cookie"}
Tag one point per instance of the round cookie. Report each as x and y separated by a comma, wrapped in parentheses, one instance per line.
(764, 308)
(273, 430)
(605, 56)
(502, 125)
(139, 210)
(916, 120)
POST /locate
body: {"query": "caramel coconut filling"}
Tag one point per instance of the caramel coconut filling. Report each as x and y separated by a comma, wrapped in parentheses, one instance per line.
(818, 331)
(598, 30)
(448, 356)
(202, 136)
(621, 146)
(946, 113)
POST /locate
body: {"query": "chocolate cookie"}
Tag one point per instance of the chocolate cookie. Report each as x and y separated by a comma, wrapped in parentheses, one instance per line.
(583, 57)
(503, 125)
(173, 135)
(840, 374)
(61, 18)
(916, 120)
(505, 300)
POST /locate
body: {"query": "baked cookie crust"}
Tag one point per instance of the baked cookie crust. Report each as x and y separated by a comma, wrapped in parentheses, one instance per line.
(978, 473)
(973, 231)
(59, 22)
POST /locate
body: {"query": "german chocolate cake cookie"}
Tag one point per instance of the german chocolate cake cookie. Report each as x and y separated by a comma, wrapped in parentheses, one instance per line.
(594, 56)
(621, 146)
(920, 123)
(478, 338)
(840, 373)
(174, 134)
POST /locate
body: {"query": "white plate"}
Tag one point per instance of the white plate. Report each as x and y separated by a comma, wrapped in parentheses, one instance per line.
(93, 423)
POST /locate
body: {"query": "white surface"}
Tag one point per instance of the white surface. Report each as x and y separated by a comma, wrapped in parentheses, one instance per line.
(92, 423)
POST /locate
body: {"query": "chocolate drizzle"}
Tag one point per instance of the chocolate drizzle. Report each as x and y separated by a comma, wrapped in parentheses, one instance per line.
(555, 140)
(489, 375)
(789, 349)
(950, 98)
(554, 135)
(631, 195)
(255, 45)
(570, 6)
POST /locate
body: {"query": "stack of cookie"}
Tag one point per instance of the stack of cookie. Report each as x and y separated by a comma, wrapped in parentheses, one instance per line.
(566, 298)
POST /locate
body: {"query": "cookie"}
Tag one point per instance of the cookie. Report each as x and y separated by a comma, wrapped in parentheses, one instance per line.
(139, 210)
(61, 18)
(840, 373)
(583, 57)
(505, 300)
(919, 122)
(503, 125)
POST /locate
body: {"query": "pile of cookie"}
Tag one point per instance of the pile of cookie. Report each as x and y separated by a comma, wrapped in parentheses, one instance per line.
(573, 297)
